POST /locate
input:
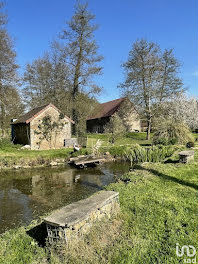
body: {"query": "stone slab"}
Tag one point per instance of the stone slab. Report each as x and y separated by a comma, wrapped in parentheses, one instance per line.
(77, 212)
(187, 153)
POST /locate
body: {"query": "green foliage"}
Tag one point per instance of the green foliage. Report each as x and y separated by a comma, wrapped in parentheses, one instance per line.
(82, 140)
(164, 141)
(173, 141)
(6, 144)
(138, 154)
(117, 151)
(173, 132)
(161, 141)
(82, 151)
(83, 107)
(115, 128)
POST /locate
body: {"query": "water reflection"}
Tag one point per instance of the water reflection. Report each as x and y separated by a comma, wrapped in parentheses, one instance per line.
(26, 194)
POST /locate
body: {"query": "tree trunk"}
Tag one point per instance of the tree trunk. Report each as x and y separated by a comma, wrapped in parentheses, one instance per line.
(76, 86)
(75, 119)
(2, 120)
(148, 136)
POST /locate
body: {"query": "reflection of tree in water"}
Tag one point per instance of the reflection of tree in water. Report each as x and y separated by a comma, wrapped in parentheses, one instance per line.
(13, 204)
(25, 194)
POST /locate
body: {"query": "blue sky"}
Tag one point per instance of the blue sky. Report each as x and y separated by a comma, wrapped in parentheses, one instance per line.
(170, 23)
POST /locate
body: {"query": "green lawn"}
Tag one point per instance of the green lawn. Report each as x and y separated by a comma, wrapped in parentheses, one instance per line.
(196, 137)
(18, 153)
(128, 139)
(159, 206)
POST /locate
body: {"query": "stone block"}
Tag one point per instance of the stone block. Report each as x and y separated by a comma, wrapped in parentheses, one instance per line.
(186, 156)
(74, 220)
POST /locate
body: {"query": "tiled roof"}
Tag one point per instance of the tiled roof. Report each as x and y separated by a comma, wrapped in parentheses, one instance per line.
(28, 117)
(106, 109)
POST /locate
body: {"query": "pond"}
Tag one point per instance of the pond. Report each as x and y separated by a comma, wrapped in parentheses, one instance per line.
(28, 194)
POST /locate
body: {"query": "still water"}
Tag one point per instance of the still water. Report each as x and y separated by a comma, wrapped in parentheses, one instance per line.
(27, 194)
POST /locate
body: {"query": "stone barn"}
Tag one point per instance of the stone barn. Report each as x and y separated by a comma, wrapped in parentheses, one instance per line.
(26, 130)
(103, 112)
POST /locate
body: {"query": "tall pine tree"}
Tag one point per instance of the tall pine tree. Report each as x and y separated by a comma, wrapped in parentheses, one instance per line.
(81, 52)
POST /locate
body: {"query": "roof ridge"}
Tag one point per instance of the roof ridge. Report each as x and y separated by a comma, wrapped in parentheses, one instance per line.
(106, 109)
(122, 98)
(30, 115)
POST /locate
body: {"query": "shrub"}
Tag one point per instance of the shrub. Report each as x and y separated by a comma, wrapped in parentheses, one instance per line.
(82, 151)
(5, 144)
(115, 128)
(160, 141)
(174, 132)
(173, 141)
(190, 144)
(138, 154)
(118, 151)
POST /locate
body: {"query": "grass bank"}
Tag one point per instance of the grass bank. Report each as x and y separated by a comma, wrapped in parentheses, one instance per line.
(12, 155)
(159, 205)
(15, 156)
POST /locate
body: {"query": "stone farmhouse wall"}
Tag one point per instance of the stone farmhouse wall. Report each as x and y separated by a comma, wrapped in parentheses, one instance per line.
(126, 112)
(130, 117)
(58, 137)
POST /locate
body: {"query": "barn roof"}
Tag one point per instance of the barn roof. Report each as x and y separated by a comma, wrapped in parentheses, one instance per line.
(107, 109)
(28, 117)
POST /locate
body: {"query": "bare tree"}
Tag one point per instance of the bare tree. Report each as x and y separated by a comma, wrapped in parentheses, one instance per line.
(46, 80)
(37, 81)
(8, 73)
(151, 77)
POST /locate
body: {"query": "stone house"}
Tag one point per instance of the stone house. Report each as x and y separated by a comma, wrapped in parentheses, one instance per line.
(103, 112)
(25, 129)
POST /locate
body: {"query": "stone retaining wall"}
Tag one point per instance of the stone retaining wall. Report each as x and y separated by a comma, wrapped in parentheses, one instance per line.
(76, 219)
